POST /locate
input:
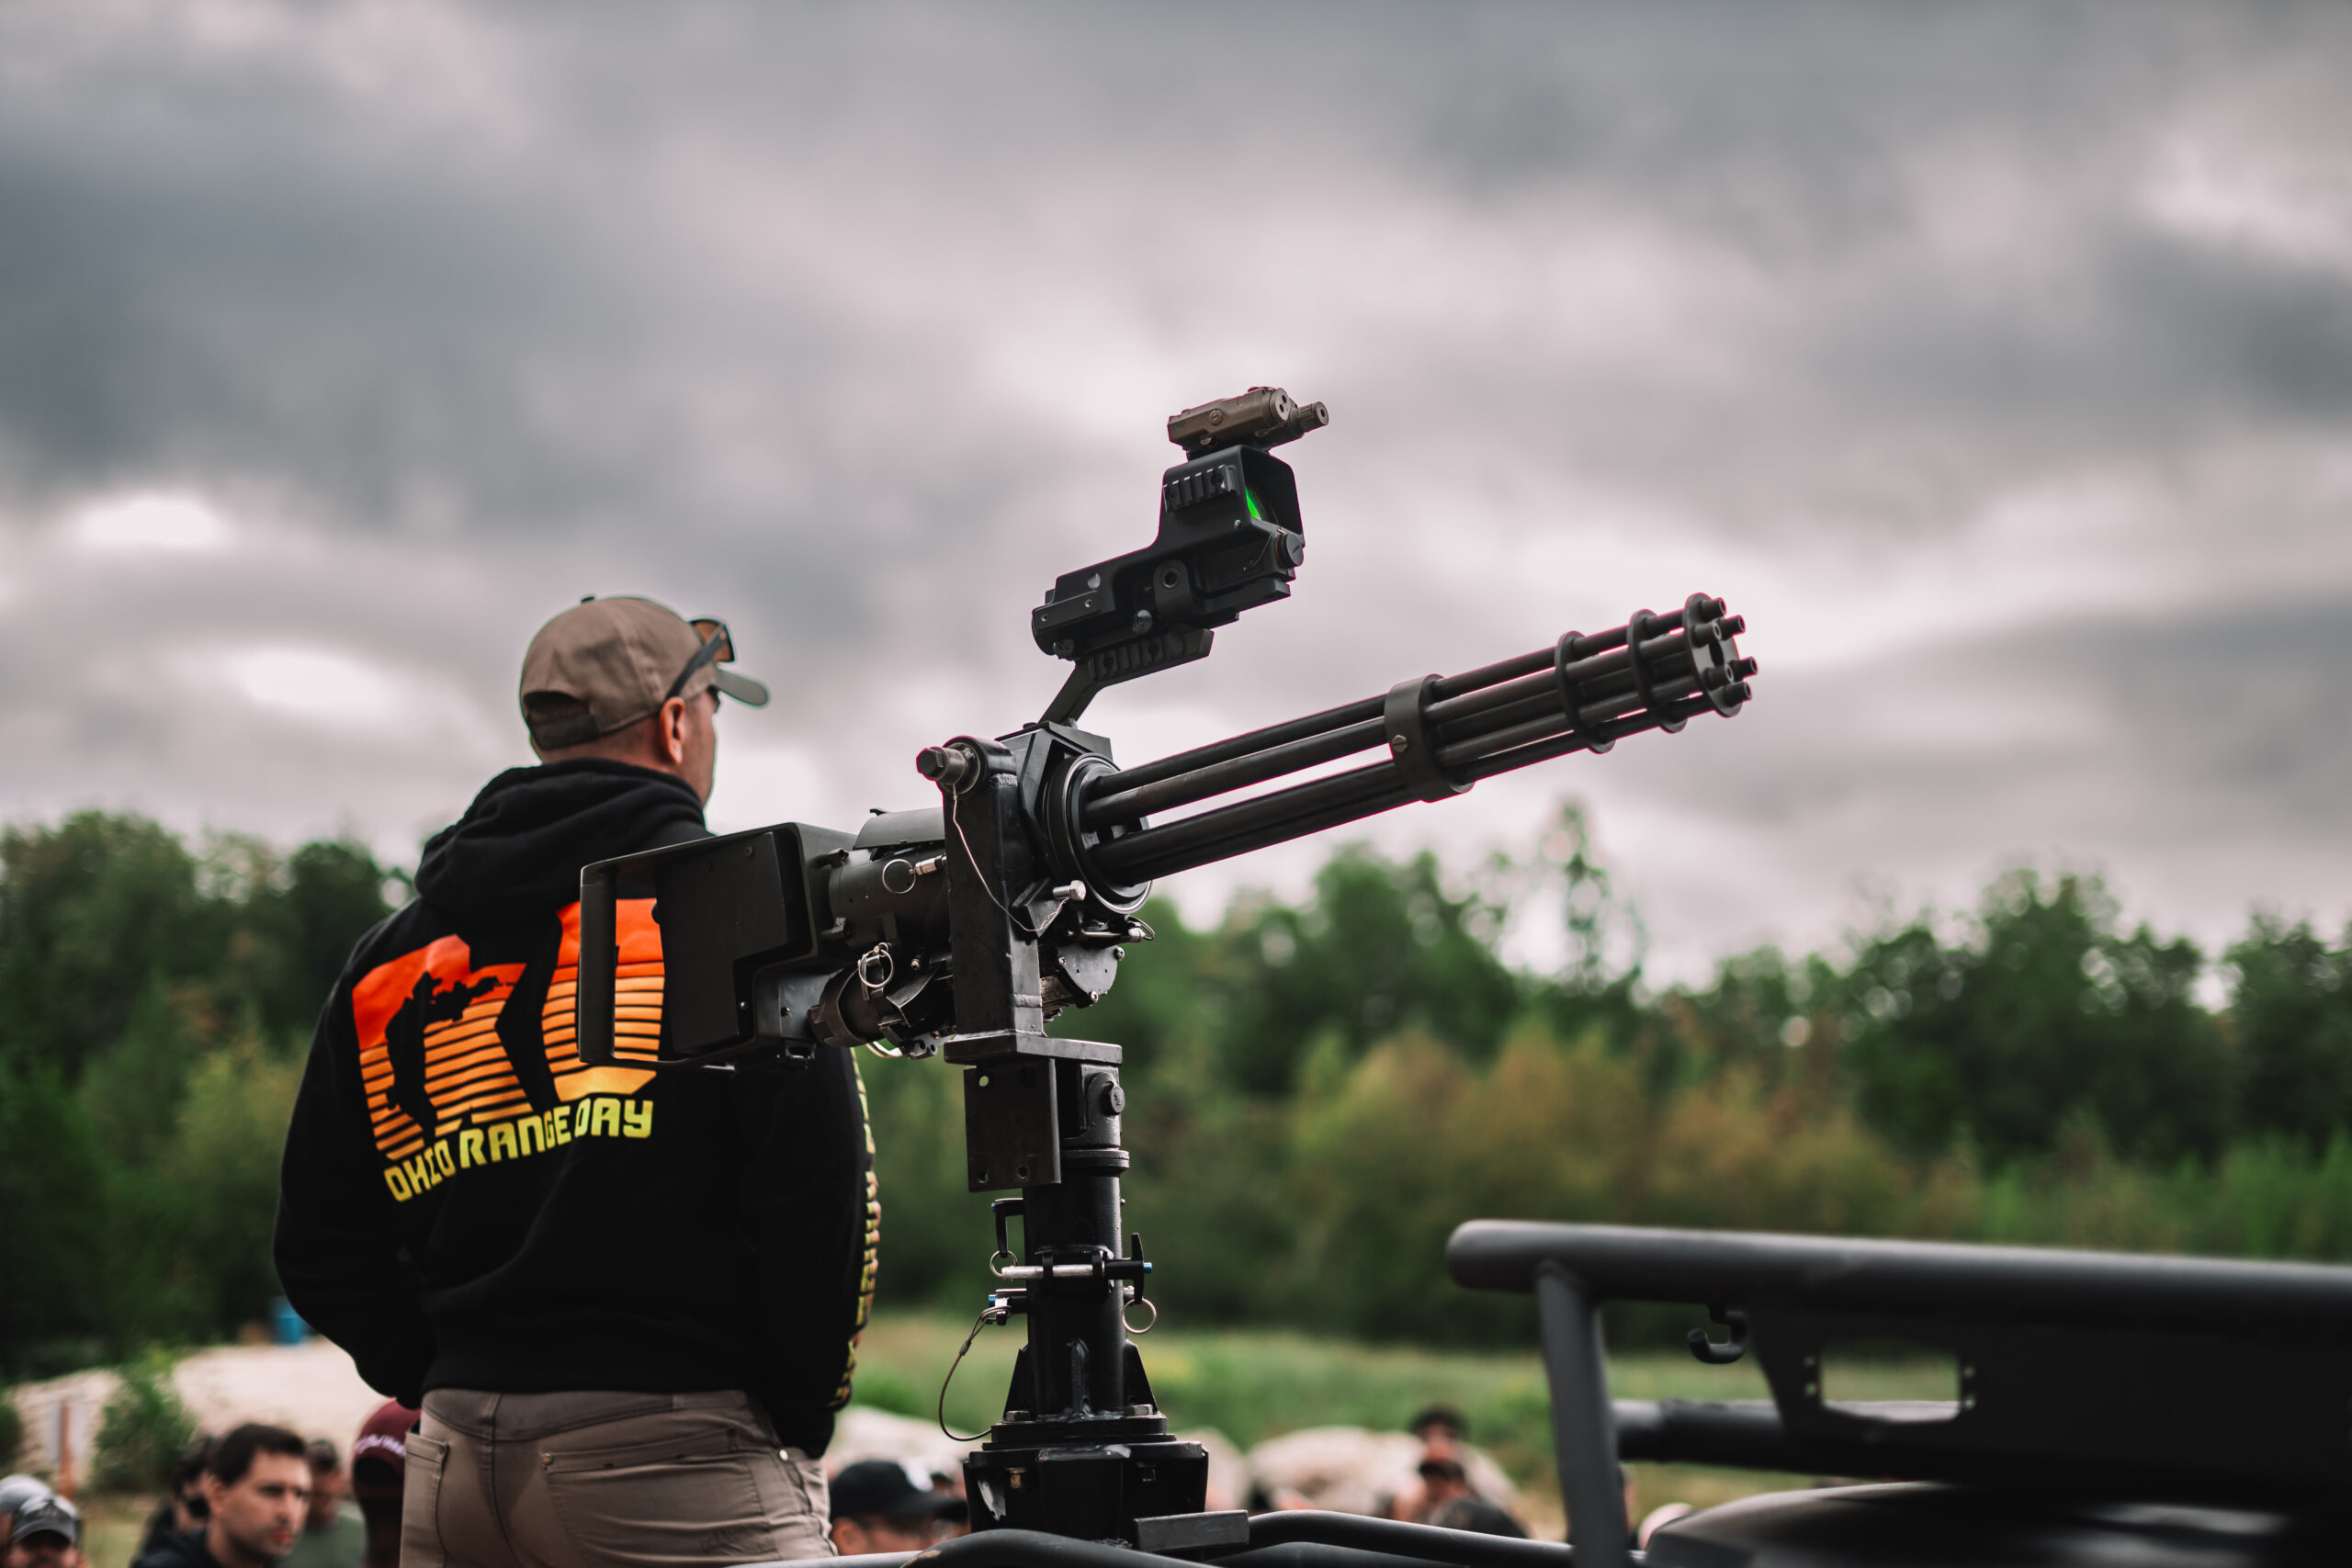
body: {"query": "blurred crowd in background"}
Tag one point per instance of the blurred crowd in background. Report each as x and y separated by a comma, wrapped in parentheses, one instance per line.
(259, 1496)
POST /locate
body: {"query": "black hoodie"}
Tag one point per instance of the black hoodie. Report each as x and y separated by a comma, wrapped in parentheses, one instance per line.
(465, 1205)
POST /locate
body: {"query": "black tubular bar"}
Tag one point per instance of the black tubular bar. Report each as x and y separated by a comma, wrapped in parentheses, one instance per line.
(1276, 832)
(1537, 702)
(1310, 807)
(1589, 667)
(1362, 792)
(2027, 1284)
(1579, 740)
(1667, 697)
(1533, 704)
(1394, 1538)
(1282, 734)
(1595, 663)
(1487, 674)
(1033, 1549)
(1584, 1436)
(1118, 855)
(1190, 777)
(1320, 1555)
(1234, 772)
(1745, 1434)
(1581, 693)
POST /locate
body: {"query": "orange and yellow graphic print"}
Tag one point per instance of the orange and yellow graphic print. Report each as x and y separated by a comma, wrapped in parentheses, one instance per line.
(445, 1048)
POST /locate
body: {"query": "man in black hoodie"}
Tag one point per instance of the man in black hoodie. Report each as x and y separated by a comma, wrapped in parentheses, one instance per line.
(626, 1300)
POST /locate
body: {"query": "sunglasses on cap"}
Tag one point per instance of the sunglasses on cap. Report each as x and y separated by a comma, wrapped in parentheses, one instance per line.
(718, 647)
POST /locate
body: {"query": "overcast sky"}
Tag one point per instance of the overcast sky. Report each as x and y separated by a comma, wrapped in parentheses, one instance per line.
(1994, 361)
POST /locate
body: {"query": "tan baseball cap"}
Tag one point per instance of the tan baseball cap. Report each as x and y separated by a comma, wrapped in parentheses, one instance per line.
(606, 663)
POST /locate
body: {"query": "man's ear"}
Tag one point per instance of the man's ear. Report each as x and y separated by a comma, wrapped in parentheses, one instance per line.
(672, 737)
(214, 1490)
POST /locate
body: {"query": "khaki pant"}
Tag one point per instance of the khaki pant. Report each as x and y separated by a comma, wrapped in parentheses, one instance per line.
(581, 1480)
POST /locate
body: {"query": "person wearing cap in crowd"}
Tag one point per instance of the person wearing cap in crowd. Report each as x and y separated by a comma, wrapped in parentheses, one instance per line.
(44, 1532)
(881, 1505)
(558, 1262)
(16, 1492)
(1443, 1477)
(332, 1534)
(379, 1470)
(256, 1492)
(183, 1508)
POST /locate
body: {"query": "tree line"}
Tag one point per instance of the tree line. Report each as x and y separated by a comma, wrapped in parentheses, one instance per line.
(1320, 1088)
(155, 1002)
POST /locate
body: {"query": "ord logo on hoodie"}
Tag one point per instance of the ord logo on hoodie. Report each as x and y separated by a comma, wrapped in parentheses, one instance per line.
(465, 1066)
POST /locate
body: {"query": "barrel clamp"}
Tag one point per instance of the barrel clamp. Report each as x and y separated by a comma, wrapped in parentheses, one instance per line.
(1405, 720)
(1639, 628)
(1568, 651)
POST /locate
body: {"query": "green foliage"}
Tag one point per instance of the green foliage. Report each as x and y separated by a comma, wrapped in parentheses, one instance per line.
(53, 1192)
(1378, 948)
(1415, 1141)
(153, 1001)
(221, 1174)
(88, 910)
(2038, 1073)
(100, 913)
(934, 1229)
(12, 1431)
(2292, 1010)
(2044, 1015)
(143, 1429)
(1380, 945)
(890, 1388)
(1321, 1090)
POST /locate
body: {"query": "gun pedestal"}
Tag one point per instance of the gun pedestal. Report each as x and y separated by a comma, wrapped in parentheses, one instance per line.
(1083, 1450)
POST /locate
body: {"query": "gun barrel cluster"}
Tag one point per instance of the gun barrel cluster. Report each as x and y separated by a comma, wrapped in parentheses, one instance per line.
(1438, 737)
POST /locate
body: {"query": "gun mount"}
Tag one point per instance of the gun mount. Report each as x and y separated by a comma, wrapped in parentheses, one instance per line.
(960, 928)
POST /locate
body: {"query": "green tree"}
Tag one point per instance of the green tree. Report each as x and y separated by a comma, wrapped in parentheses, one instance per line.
(1381, 946)
(53, 1210)
(220, 1176)
(89, 910)
(934, 1228)
(143, 1429)
(2049, 1014)
(298, 926)
(132, 1086)
(2292, 1009)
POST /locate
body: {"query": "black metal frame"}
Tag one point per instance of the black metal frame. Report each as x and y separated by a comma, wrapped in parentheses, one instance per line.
(2096, 1373)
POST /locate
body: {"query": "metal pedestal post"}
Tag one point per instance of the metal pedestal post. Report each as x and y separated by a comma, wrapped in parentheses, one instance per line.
(1583, 1430)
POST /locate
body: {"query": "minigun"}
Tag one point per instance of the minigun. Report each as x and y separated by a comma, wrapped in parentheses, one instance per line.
(960, 928)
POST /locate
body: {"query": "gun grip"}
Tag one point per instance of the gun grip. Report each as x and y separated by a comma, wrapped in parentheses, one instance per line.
(592, 1019)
